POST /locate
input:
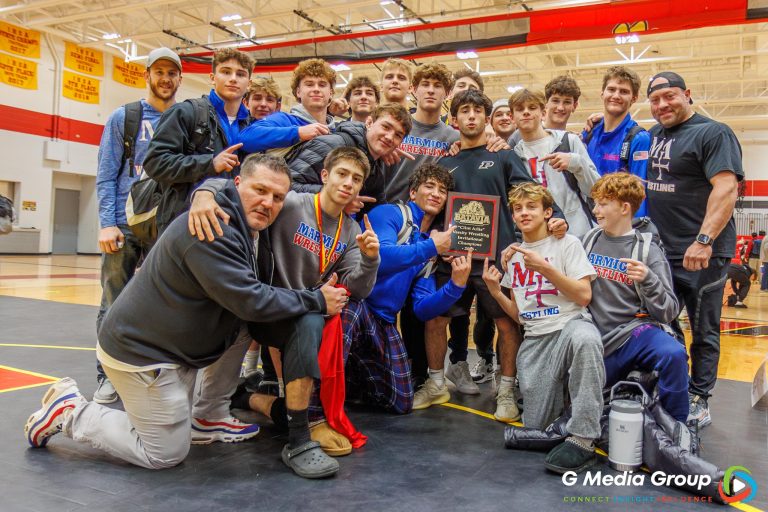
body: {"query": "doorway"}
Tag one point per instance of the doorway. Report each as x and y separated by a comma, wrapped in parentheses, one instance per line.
(66, 215)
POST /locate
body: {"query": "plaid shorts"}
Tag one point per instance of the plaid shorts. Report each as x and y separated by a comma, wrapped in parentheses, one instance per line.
(376, 362)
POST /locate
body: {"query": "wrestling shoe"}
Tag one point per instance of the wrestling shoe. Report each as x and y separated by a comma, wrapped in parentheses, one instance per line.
(482, 371)
(699, 410)
(459, 374)
(225, 430)
(58, 403)
(506, 406)
(105, 393)
(430, 394)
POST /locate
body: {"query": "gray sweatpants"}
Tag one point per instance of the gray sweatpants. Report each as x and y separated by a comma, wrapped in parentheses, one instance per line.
(155, 430)
(545, 362)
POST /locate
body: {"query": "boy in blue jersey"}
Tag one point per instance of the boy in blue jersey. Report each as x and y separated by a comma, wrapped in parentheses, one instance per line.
(617, 143)
(121, 251)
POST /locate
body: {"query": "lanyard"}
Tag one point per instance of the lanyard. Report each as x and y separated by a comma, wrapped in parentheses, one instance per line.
(326, 260)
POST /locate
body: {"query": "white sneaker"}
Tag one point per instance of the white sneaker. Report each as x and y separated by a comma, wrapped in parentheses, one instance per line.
(430, 394)
(506, 406)
(226, 430)
(459, 374)
(482, 371)
(105, 393)
(58, 403)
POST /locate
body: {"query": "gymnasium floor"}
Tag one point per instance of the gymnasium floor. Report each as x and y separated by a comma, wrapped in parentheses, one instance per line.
(448, 457)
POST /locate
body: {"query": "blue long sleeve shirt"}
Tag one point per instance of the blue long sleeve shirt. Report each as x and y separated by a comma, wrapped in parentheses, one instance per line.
(400, 266)
(278, 130)
(604, 149)
(112, 183)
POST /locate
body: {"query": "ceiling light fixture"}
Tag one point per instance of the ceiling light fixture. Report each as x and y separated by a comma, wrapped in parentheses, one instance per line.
(469, 54)
(340, 67)
(111, 36)
(231, 17)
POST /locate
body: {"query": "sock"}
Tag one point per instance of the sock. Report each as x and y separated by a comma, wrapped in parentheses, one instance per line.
(251, 360)
(298, 427)
(582, 442)
(279, 414)
(241, 398)
(438, 376)
(507, 382)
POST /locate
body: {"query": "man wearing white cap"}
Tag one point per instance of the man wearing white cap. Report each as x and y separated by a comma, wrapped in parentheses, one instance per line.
(118, 167)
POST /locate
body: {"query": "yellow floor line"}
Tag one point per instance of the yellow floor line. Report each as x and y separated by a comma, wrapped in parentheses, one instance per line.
(61, 347)
(740, 506)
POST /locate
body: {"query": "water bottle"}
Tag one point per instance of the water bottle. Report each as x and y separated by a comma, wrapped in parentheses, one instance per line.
(625, 430)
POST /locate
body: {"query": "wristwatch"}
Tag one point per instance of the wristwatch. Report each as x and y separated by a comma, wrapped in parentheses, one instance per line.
(704, 239)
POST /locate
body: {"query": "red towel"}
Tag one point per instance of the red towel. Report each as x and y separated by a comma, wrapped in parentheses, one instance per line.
(332, 384)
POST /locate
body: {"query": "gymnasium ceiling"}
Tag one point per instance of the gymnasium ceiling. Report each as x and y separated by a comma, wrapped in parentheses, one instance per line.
(723, 55)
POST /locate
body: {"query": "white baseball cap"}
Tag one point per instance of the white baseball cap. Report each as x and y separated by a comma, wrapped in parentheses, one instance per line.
(163, 53)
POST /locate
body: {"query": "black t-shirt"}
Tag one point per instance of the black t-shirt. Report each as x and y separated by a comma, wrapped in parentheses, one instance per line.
(682, 160)
(478, 171)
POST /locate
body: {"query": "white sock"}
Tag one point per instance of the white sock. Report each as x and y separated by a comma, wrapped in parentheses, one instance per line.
(507, 382)
(251, 360)
(438, 376)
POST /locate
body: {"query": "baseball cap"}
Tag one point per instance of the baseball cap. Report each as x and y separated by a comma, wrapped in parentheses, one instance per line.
(672, 80)
(163, 53)
(497, 104)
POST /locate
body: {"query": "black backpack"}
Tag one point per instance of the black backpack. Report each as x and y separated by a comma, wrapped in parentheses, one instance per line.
(145, 194)
(7, 215)
(587, 203)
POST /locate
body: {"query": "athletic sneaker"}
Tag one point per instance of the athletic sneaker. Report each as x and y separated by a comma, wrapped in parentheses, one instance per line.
(105, 393)
(226, 430)
(482, 371)
(459, 374)
(58, 403)
(699, 410)
(506, 406)
(740, 304)
(430, 394)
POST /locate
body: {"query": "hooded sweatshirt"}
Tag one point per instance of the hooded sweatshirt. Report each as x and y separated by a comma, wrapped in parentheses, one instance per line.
(186, 305)
(400, 266)
(617, 306)
(580, 166)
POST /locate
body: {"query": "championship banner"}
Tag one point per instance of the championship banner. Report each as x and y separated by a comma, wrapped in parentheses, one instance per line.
(128, 73)
(18, 72)
(85, 60)
(19, 40)
(80, 88)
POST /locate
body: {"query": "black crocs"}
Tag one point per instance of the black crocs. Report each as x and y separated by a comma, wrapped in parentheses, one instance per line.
(309, 461)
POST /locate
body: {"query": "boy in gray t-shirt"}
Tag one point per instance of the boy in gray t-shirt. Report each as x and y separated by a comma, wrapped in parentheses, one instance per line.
(633, 296)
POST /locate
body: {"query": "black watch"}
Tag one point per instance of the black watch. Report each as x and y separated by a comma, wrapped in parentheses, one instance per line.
(704, 239)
